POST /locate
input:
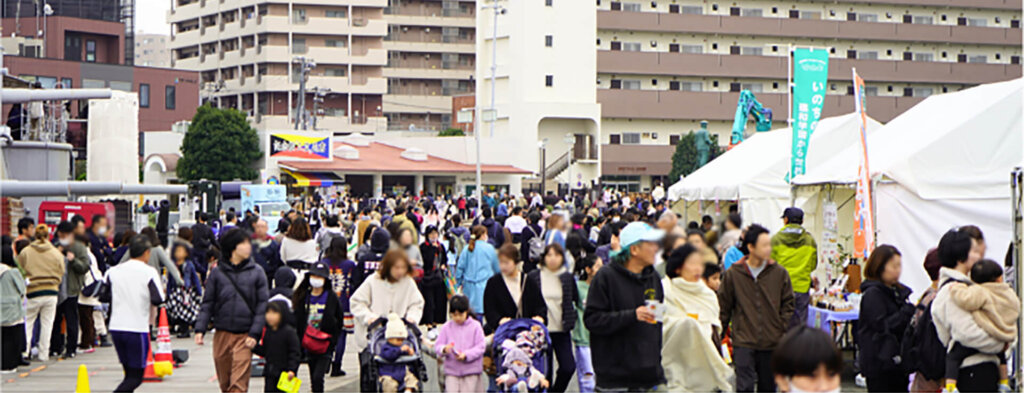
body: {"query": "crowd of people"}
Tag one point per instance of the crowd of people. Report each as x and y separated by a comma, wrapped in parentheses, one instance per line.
(613, 290)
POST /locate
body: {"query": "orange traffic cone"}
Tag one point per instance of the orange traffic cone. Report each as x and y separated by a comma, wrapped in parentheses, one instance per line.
(150, 375)
(162, 357)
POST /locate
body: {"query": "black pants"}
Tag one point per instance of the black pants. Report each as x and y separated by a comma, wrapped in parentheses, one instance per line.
(132, 379)
(980, 378)
(271, 375)
(13, 345)
(888, 381)
(753, 367)
(435, 300)
(339, 351)
(318, 366)
(68, 312)
(561, 346)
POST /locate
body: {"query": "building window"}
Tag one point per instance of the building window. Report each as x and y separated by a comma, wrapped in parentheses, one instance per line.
(922, 91)
(794, 14)
(870, 91)
(120, 86)
(923, 57)
(923, 20)
(735, 87)
(144, 95)
(616, 84)
(631, 46)
(169, 100)
(631, 7)
(752, 12)
(867, 55)
(614, 139)
(751, 51)
(549, 2)
(335, 43)
(979, 22)
(673, 139)
(1015, 59)
(753, 87)
(340, 13)
(977, 59)
(693, 9)
(616, 6)
(631, 84)
(697, 49)
(337, 71)
(90, 50)
(673, 85)
(673, 8)
(298, 15)
(691, 86)
(66, 83)
(549, 41)
(1014, 24)
(549, 80)
(631, 138)
(298, 45)
(673, 48)
(616, 45)
(810, 15)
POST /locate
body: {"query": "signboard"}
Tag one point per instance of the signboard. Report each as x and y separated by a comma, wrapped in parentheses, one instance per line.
(863, 219)
(810, 74)
(312, 147)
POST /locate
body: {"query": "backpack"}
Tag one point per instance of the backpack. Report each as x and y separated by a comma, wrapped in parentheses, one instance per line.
(536, 245)
(457, 243)
(921, 350)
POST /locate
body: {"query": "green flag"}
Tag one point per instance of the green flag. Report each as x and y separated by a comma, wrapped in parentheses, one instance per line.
(810, 76)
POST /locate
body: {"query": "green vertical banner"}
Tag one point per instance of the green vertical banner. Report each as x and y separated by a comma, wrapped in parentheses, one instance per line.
(810, 76)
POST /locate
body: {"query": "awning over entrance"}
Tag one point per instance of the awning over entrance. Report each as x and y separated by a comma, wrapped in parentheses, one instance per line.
(313, 179)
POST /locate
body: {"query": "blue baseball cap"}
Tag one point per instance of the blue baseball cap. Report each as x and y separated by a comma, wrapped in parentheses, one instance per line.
(638, 232)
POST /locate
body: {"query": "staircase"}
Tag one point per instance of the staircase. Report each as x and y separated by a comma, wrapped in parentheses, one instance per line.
(558, 166)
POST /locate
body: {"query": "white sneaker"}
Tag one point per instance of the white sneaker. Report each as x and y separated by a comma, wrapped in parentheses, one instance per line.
(43, 358)
(11, 371)
(860, 381)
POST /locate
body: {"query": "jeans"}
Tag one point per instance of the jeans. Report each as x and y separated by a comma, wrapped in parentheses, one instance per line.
(318, 365)
(584, 369)
(561, 347)
(43, 308)
(68, 342)
(339, 352)
(753, 367)
(802, 300)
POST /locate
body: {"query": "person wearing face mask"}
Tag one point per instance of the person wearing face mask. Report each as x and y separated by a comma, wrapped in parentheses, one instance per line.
(77, 262)
(807, 361)
(234, 301)
(99, 245)
(317, 309)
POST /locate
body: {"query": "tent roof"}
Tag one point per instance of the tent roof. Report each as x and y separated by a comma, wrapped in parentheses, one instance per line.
(757, 167)
(955, 145)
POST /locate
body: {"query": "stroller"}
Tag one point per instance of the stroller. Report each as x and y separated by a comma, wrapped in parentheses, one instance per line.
(369, 361)
(510, 331)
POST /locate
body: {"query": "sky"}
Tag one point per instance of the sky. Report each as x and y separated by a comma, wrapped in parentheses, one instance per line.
(151, 16)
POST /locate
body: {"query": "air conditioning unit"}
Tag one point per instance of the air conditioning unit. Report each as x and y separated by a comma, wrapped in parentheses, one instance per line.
(654, 135)
(645, 135)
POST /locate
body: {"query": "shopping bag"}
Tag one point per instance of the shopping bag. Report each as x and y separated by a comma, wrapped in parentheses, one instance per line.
(288, 385)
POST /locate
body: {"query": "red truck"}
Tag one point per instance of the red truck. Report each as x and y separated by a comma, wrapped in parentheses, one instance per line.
(53, 212)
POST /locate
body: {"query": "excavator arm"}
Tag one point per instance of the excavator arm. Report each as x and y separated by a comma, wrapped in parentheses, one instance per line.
(748, 106)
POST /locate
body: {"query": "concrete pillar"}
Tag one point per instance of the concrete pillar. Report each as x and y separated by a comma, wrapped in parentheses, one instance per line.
(418, 184)
(378, 185)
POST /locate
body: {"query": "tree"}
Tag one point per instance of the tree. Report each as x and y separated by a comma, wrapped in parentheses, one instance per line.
(452, 132)
(219, 145)
(684, 160)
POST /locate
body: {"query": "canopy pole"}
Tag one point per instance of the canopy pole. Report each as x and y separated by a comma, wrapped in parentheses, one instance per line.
(1017, 202)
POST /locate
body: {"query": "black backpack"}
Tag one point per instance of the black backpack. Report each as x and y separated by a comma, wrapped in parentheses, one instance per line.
(921, 350)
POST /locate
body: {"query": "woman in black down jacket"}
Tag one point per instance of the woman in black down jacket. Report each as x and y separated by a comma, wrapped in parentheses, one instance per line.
(884, 315)
(435, 262)
(510, 290)
(558, 287)
(317, 307)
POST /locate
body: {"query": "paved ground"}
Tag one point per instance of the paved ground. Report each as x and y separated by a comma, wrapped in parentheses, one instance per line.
(196, 376)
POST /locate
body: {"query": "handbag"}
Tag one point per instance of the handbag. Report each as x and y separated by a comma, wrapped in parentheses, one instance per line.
(315, 341)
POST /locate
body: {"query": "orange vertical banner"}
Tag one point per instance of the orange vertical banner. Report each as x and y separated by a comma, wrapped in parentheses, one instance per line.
(863, 217)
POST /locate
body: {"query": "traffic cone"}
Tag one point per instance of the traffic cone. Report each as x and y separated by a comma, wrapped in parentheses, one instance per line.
(163, 356)
(150, 375)
(82, 386)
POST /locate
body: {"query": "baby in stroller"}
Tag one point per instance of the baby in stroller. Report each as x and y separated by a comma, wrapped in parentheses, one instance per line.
(395, 373)
(520, 373)
(522, 345)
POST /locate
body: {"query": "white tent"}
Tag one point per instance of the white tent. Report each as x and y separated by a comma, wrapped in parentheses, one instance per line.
(754, 172)
(943, 163)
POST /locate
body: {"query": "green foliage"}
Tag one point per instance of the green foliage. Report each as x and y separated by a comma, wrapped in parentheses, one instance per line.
(82, 170)
(684, 160)
(451, 132)
(219, 145)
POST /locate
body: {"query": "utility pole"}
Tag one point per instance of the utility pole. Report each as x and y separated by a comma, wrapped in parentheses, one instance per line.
(498, 10)
(306, 65)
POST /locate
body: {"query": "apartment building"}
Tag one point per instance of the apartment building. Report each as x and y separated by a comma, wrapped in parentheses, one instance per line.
(151, 50)
(431, 52)
(665, 65)
(249, 53)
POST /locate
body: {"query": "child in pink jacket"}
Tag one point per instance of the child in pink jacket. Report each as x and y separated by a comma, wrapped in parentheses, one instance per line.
(461, 346)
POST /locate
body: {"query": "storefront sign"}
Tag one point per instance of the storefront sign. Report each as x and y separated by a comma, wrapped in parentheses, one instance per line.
(810, 74)
(863, 219)
(302, 147)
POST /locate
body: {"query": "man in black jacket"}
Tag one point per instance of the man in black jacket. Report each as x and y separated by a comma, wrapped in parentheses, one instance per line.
(202, 239)
(625, 335)
(235, 301)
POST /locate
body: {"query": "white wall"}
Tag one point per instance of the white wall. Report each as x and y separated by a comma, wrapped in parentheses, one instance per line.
(161, 142)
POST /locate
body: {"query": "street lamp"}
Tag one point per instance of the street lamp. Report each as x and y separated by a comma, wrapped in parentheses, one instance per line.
(498, 10)
(306, 65)
(570, 140)
(542, 145)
